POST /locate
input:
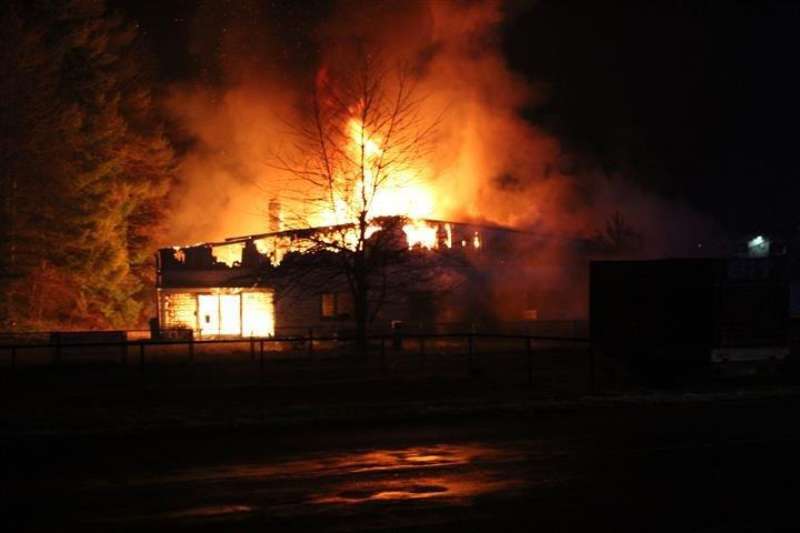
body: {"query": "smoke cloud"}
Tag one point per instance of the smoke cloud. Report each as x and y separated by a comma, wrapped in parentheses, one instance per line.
(489, 164)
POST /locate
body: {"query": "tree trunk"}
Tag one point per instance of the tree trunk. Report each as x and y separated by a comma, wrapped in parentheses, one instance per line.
(362, 319)
(361, 302)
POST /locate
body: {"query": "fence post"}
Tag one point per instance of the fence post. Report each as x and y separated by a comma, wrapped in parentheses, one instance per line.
(191, 347)
(530, 362)
(383, 353)
(141, 356)
(252, 348)
(57, 350)
(470, 350)
(261, 361)
(123, 356)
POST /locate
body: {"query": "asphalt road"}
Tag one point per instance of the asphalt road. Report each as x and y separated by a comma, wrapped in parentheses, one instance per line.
(685, 466)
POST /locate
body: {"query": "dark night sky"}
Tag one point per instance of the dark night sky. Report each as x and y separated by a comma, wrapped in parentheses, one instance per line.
(696, 100)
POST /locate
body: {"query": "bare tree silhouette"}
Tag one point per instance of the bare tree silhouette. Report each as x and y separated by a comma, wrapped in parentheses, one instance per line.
(618, 237)
(354, 172)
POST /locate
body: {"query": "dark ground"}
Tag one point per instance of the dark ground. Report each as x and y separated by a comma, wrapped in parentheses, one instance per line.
(405, 452)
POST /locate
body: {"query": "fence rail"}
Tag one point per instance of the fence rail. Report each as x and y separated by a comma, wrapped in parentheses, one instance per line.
(139, 352)
(567, 328)
(290, 338)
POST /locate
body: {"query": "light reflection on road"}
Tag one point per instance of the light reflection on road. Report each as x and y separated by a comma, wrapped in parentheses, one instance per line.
(458, 473)
(452, 474)
(348, 463)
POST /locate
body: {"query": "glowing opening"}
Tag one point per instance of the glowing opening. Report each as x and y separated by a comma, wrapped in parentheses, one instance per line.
(258, 319)
(222, 312)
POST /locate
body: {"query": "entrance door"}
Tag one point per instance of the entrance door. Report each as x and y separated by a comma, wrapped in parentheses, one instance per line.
(219, 314)
(208, 314)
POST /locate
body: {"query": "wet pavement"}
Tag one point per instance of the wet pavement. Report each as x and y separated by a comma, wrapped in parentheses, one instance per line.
(715, 467)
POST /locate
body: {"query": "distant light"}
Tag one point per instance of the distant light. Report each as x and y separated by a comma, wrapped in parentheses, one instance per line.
(758, 246)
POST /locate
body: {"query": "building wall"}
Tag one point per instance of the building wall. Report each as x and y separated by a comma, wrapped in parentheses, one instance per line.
(416, 310)
(177, 309)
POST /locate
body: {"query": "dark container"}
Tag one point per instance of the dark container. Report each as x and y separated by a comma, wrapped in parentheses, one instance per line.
(689, 312)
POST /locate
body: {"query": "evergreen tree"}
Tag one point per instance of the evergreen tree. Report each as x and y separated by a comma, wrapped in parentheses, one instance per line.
(85, 167)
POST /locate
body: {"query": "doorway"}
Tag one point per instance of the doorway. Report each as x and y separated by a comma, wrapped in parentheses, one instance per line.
(219, 314)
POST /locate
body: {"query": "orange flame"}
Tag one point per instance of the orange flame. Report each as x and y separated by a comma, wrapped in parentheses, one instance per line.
(401, 193)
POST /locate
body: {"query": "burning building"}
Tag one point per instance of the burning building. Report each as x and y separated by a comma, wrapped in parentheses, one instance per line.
(257, 285)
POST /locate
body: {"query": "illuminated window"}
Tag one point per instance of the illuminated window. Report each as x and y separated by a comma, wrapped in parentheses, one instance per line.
(258, 314)
(328, 305)
(336, 305)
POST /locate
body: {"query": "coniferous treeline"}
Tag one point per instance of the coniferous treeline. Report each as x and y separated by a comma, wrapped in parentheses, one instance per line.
(85, 167)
